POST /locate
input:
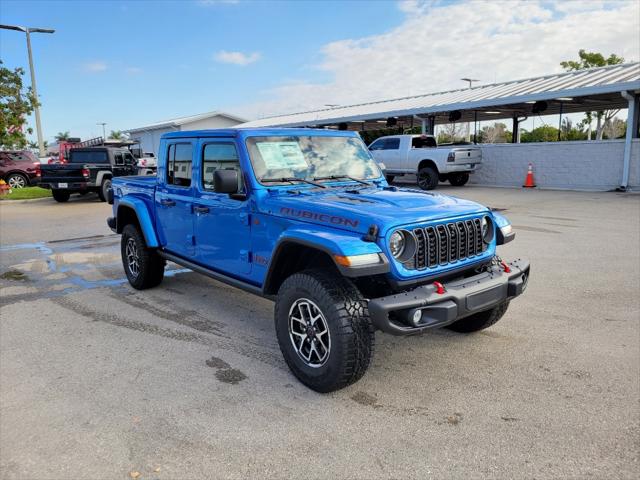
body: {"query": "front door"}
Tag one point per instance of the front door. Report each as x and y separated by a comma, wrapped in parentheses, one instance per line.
(222, 229)
(174, 200)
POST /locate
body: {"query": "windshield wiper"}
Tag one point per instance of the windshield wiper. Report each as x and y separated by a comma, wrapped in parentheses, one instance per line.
(291, 180)
(338, 177)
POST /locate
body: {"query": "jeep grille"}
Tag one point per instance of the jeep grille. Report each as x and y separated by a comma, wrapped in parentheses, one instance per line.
(446, 243)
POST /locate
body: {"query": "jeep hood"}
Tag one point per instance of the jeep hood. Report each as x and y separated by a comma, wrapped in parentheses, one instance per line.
(356, 209)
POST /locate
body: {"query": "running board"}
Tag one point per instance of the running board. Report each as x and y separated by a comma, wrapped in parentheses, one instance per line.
(234, 282)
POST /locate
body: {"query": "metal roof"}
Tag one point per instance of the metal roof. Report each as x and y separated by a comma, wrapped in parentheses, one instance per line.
(176, 122)
(576, 91)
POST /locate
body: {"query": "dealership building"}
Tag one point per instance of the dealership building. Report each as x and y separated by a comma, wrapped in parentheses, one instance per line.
(588, 164)
(149, 136)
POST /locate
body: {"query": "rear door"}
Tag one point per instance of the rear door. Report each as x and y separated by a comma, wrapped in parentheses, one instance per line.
(174, 199)
(222, 229)
(387, 151)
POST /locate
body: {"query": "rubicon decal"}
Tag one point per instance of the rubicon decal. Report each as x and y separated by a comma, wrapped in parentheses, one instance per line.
(320, 217)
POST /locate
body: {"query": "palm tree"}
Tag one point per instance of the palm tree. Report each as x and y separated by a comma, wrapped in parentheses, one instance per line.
(116, 135)
(62, 136)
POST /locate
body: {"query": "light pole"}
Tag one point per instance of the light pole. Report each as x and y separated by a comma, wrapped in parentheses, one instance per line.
(104, 135)
(28, 31)
(470, 80)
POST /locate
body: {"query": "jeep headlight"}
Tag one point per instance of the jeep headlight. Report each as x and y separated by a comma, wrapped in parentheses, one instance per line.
(487, 229)
(397, 243)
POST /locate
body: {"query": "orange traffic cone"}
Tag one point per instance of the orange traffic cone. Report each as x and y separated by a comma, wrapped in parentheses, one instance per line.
(528, 182)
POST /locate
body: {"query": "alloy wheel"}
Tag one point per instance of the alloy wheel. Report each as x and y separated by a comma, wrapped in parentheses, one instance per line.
(309, 332)
(131, 251)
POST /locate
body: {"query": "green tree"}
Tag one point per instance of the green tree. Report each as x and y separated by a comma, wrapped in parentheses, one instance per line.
(496, 133)
(591, 60)
(545, 133)
(62, 136)
(16, 103)
(116, 135)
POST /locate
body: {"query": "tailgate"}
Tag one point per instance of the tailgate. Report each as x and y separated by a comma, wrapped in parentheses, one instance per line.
(467, 155)
(55, 173)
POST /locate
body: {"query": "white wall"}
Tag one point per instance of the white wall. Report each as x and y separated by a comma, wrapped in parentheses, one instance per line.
(595, 165)
(150, 140)
(210, 123)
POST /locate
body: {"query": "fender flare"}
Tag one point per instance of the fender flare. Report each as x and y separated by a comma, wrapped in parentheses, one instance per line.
(431, 161)
(141, 211)
(331, 243)
(101, 175)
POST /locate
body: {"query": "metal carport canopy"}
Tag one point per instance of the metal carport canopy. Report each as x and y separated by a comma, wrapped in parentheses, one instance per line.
(579, 91)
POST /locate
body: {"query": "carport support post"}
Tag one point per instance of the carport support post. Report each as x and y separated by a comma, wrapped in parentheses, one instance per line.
(423, 129)
(632, 131)
(515, 134)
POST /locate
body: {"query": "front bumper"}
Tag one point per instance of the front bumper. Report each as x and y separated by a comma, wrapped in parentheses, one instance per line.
(460, 299)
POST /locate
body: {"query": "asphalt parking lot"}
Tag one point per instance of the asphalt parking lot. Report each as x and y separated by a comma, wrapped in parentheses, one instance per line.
(186, 380)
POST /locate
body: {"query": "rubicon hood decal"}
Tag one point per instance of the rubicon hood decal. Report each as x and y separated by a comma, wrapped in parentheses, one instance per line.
(319, 217)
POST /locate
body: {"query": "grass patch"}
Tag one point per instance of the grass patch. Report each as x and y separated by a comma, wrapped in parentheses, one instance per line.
(27, 193)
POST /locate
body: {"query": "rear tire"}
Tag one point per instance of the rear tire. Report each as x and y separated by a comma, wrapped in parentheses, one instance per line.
(17, 180)
(458, 179)
(104, 189)
(480, 321)
(61, 195)
(143, 266)
(428, 178)
(311, 303)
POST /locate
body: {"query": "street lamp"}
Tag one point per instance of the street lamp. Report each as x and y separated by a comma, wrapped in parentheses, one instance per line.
(104, 135)
(28, 31)
(470, 80)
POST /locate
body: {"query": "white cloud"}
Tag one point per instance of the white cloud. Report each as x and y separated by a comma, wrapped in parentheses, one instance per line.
(133, 70)
(236, 58)
(438, 43)
(95, 66)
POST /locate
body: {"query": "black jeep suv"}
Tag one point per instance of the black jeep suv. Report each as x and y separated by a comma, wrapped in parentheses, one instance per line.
(89, 169)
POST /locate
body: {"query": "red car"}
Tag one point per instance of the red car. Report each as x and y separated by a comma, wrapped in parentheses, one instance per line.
(19, 168)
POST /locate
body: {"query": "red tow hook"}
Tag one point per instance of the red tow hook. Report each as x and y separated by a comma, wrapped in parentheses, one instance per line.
(505, 267)
(439, 288)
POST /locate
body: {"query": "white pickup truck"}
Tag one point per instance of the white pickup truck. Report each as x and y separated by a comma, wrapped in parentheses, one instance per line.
(421, 155)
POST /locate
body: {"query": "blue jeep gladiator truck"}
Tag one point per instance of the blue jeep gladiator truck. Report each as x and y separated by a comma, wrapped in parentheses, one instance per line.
(305, 217)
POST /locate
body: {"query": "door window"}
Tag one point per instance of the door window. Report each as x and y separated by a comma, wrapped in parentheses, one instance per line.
(179, 158)
(386, 144)
(219, 156)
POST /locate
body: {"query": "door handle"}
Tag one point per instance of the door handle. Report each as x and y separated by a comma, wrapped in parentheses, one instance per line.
(197, 209)
(165, 202)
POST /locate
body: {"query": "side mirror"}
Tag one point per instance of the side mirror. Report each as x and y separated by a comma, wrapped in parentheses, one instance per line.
(225, 181)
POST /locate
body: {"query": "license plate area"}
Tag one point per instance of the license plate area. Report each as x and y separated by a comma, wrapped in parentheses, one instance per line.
(63, 185)
(485, 298)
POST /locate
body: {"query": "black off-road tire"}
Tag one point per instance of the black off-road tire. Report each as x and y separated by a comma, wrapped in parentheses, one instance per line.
(458, 179)
(104, 189)
(61, 195)
(390, 178)
(481, 320)
(352, 335)
(428, 178)
(150, 265)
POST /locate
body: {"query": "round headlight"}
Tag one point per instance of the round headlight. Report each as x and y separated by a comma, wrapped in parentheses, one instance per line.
(487, 229)
(396, 244)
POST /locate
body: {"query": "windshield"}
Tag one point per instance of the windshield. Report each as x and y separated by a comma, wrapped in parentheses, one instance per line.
(310, 157)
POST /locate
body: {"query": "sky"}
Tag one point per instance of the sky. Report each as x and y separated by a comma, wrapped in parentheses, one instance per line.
(131, 63)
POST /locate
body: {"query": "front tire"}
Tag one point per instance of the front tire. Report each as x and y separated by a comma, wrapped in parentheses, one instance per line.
(480, 321)
(458, 179)
(324, 330)
(428, 178)
(61, 196)
(143, 266)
